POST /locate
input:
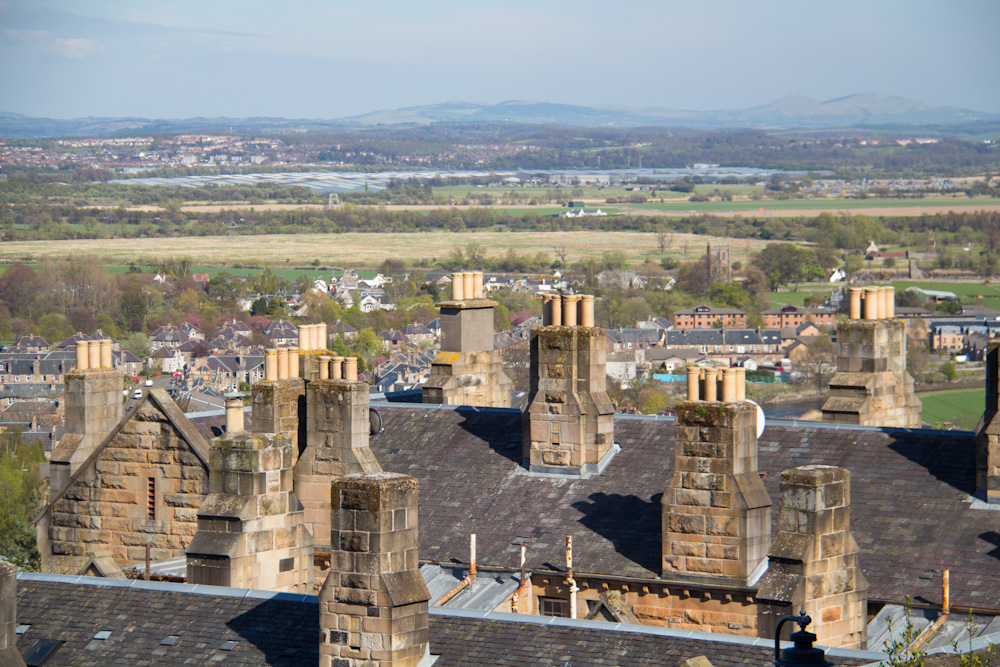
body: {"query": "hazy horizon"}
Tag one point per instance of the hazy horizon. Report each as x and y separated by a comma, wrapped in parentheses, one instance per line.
(61, 59)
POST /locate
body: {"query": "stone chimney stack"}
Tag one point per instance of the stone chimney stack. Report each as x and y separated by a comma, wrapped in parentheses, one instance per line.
(337, 433)
(278, 401)
(716, 511)
(988, 432)
(9, 655)
(467, 371)
(569, 423)
(373, 607)
(93, 399)
(872, 386)
(814, 559)
(251, 526)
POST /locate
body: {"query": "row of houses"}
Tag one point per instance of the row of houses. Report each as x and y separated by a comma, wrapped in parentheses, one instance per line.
(708, 317)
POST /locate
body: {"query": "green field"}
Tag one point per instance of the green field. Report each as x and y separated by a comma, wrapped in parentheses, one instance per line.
(967, 292)
(964, 406)
(213, 271)
(812, 204)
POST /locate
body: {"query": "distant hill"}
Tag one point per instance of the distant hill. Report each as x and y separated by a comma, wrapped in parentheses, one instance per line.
(783, 113)
(786, 113)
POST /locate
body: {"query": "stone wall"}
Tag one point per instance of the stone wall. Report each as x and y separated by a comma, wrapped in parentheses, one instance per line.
(678, 606)
(145, 485)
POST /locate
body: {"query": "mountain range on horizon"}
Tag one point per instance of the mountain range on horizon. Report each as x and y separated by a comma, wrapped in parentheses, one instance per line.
(786, 113)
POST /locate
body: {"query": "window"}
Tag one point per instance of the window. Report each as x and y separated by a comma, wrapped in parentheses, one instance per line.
(151, 498)
(553, 607)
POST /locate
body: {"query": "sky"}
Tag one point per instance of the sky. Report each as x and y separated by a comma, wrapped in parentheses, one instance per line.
(332, 59)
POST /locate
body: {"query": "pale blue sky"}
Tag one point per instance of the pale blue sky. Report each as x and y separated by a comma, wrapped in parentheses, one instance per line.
(327, 59)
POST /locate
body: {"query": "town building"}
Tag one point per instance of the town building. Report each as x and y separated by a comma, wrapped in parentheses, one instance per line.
(707, 317)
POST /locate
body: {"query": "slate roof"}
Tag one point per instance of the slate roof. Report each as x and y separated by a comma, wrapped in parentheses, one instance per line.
(910, 491)
(282, 630)
(51, 363)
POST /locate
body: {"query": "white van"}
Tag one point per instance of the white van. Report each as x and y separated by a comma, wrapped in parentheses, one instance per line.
(137, 393)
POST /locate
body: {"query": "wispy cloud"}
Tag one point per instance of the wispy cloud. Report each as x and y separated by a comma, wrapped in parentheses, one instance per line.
(79, 47)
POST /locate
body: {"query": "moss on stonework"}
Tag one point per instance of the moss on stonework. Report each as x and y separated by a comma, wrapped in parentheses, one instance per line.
(711, 413)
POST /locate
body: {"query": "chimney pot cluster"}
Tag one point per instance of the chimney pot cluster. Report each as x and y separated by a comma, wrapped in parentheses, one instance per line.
(728, 385)
(94, 354)
(467, 285)
(313, 337)
(283, 363)
(872, 303)
(570, 310)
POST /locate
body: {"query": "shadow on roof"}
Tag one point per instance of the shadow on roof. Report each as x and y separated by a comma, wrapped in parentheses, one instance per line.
(948, 459)
(992, 537)
(280, 629)
(631, 524)
(503, 434)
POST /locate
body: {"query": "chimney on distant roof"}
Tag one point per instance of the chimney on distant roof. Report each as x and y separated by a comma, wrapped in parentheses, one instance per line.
(872, 386)
(467, 371)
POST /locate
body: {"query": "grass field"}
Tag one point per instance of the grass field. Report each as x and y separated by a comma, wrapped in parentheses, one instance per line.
(963, 406)
(813, 204)
(369, 249)
(968, 292)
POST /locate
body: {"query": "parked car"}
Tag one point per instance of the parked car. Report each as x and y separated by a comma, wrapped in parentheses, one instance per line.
(149, 383)
(137, 393)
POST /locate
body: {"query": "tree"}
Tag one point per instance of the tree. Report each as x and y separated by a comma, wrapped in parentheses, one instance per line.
(138, 344)
(948, 369)
(20, 499)
(784, 263)
(662, 240)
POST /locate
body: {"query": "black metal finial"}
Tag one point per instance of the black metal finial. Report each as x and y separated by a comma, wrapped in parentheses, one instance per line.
(803, 653)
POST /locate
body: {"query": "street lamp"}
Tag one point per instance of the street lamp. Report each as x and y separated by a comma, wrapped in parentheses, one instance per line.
(803, 653)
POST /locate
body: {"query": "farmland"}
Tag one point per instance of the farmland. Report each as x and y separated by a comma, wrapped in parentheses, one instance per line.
(356, 249)
(963, 407)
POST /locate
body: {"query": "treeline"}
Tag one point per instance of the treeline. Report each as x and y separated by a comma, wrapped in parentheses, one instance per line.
(443, 146)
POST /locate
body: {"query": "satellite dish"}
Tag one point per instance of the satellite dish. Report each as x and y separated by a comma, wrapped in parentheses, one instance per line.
(760, 418)
(374, 422)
